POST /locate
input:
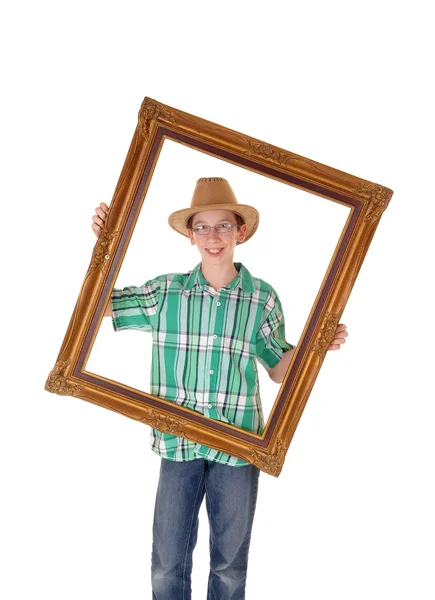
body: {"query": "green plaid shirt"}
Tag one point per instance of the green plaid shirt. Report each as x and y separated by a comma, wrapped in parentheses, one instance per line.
(205, 346)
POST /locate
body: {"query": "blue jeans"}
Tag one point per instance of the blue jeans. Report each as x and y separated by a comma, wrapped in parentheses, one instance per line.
(231, 495)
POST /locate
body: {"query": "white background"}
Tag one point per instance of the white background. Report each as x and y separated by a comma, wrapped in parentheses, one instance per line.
(351, 515)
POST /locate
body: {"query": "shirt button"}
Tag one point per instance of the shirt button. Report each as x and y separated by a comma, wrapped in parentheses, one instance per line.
(215, 336)
(218, 303)
(211, 372)
(209, 405)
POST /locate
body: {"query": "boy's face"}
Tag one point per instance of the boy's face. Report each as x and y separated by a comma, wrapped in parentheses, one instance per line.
(216, 248)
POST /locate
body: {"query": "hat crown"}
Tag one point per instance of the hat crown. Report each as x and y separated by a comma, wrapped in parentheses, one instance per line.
(212, 191)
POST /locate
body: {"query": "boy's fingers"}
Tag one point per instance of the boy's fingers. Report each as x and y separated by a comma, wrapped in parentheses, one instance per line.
(104, 207)
(96, 219)
(100, 212)
(96, 229)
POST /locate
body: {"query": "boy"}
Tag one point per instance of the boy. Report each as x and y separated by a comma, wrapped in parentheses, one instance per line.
(209, 327)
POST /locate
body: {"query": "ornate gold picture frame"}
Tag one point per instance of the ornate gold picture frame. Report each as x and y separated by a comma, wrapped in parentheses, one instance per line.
(366, 202)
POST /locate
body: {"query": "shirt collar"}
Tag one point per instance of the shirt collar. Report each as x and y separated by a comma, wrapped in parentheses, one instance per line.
(244, 279)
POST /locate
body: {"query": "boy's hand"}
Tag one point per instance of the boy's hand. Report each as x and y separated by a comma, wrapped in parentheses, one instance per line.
(99, 218)
(339, 337)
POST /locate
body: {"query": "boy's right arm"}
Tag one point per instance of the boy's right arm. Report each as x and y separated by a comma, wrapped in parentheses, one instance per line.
(99, 220)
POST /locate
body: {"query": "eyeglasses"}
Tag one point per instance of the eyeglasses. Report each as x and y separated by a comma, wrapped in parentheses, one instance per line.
(221, 228)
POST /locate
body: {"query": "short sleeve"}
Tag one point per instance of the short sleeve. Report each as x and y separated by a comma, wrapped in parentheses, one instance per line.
(271, 343)
(136, 307)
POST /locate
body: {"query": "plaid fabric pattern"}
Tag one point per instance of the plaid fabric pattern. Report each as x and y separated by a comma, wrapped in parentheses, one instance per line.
(206, 344)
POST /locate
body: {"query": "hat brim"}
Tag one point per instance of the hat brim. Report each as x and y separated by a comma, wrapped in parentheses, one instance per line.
(250, 215)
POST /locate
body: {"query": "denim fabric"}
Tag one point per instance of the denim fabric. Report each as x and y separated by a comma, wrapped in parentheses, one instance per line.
(231, 495)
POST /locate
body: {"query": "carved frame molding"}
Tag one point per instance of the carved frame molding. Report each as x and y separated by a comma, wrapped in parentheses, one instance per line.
(367, 201)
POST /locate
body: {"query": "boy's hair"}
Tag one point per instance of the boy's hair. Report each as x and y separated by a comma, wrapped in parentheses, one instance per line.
(239, 219)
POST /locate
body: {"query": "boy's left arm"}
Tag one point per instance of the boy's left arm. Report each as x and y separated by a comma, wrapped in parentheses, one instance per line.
(278, 372)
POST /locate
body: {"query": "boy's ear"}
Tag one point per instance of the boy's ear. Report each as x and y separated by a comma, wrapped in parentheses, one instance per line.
(241, 233)
(192, 240)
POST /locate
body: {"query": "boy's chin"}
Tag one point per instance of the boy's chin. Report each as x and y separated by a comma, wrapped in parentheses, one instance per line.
(209, 260)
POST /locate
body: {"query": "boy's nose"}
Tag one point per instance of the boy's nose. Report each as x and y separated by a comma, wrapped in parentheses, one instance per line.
(212, 234)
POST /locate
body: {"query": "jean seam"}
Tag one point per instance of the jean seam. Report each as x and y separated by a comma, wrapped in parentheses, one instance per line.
(254, 498)
(186, 552)
(211, 523)
(210, 516)
(247, 541)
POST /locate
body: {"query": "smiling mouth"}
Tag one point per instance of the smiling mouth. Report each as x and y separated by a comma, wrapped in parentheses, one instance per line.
(214, 251)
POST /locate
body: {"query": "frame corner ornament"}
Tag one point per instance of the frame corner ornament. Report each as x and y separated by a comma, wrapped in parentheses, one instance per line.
(151, 110)
(272, 462)
(379, 196)
(58, 383)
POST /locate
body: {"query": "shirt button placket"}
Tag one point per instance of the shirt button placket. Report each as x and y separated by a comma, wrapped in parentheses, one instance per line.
(214, 359)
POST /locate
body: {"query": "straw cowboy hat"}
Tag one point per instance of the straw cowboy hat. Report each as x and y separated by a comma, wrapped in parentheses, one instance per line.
(214, 193)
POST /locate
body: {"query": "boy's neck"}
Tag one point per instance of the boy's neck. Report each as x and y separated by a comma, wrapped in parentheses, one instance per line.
(219, 276)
